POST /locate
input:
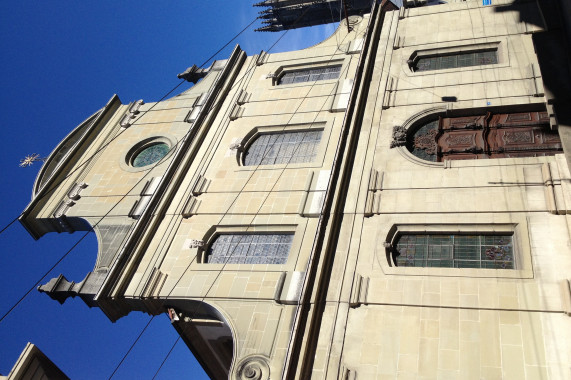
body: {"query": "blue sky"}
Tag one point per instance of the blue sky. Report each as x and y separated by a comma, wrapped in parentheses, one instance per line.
(62, 61)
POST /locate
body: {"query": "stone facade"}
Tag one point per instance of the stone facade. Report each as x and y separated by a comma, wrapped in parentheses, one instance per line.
(337, 306)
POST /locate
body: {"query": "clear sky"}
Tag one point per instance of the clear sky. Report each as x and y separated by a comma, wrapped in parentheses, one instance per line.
(61, 62)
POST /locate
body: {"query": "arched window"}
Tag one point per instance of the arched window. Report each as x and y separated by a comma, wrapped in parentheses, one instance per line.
(454, 251)
(525, 134)
(283, 148)
(250, 249)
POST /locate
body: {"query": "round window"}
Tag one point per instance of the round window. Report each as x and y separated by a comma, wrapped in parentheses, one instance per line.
(150, 154)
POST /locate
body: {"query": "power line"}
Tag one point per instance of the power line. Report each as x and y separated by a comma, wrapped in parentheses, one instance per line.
(56, 185)
(132, 346)
(268, 149)
(115, 205)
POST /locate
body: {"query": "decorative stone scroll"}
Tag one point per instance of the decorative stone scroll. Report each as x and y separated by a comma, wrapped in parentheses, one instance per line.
(253, 368)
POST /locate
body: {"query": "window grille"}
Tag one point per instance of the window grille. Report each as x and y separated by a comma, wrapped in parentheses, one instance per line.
(310, 75)
(283, 148)
(455, 251)
(454, 60)
(250, 249)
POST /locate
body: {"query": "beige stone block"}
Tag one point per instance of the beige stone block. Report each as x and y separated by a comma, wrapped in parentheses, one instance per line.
(509, 303)
(430, 313)
(512, 363)
(491, 373)
(408, 363)
(448, 359)
(370, 354)
(509, 317)
(510, 334)
(469, 300)
(429, 329)
(532, 335)
(405, 376)
(536, 372)
(469, 359)
(428, 358)
(469, 315)
(469, 331)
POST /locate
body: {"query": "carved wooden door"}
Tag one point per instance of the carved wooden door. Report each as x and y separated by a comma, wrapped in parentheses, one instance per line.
(525, 134)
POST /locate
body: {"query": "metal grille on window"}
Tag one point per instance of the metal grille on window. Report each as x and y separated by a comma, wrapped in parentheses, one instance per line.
(283, 148)
(454, 60)
(455, 251)
(310, 75)
(250, 249)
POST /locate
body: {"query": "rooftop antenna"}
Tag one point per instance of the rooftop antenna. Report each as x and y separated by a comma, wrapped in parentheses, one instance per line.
(30, 159)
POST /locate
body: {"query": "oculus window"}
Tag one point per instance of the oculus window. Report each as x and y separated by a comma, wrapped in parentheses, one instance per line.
(149, 154)
(455, 60)
(310, 75)
(283, 148)
(250, 249)
(454, 251)
(508, 135)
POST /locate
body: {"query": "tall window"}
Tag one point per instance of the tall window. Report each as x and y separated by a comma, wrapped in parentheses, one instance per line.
(453, 60)
(525, 134)
(310, 75)
(283, 148)
(454, 251)
(250, 249)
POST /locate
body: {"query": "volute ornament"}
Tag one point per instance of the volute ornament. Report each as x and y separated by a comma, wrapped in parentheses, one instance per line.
(253, 368)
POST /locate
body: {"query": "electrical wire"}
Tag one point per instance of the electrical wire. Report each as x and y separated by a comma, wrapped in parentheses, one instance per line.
(56, 185)
(122, 198)
(268, 149)
(132, 346)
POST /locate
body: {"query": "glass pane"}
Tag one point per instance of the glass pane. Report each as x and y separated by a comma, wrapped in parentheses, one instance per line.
(448, 61)
(150, 155)
(283, 148)
(310, 75)
(455, 251)
(423, 142)
(250, 249)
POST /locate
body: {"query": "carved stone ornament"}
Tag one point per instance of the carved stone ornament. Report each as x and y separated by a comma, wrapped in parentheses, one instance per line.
(399, 136)
(236, 146)
(195, 243)
(427, 142)
(253, 368)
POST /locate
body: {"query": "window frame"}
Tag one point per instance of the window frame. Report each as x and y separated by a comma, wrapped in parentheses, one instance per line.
(521, 246)
(128, 155)
(414, 62)
(286, 131)
(206, 256)
(309, 70)
(297, 230)
(454, 246)
(254, 133)
(482, 44)
(282, 70)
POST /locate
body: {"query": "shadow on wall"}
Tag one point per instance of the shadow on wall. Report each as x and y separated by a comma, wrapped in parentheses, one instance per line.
(553, 54)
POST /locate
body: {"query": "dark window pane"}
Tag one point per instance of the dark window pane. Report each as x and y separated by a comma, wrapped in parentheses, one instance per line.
(150, 155)
(310, 75)
(283, 148)
(455, 251)
(449, 61)
(250, 249)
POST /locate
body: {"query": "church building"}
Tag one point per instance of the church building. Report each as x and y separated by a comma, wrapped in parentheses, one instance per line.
(391, 203)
